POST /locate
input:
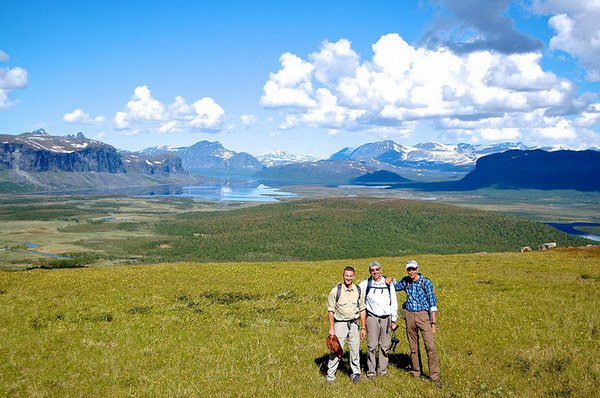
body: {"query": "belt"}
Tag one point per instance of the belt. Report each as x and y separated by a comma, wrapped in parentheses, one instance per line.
(348, 321)
(377, 316)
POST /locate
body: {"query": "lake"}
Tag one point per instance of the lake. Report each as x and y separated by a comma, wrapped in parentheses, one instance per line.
(239, 191)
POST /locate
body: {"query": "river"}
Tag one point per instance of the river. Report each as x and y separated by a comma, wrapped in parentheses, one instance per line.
(571, 229)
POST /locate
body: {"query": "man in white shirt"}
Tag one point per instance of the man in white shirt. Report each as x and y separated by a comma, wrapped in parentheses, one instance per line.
(382, 317)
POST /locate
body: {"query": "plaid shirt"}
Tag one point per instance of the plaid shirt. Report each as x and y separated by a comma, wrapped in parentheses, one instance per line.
(416, 298)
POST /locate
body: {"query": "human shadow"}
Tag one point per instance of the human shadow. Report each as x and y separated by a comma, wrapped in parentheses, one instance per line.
(400, 361)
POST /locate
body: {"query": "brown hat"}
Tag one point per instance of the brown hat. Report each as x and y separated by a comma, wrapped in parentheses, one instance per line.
(334, 345)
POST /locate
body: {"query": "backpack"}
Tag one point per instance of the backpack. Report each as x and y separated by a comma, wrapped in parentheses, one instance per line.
(339, 293)
(370, 280)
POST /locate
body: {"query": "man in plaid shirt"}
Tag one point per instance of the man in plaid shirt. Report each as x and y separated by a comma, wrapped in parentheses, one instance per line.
(420, 313)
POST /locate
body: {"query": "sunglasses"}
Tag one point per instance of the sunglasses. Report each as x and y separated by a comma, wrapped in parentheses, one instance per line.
(411, 269)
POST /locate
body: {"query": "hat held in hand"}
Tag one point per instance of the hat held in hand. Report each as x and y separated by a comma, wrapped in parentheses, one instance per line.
(334, 345)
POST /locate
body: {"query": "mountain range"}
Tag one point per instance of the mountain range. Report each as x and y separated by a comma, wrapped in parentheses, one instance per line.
(428, 156)
(38, 161)
(23, 156)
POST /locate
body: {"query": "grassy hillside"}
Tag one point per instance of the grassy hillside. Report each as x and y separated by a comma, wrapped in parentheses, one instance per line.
(339, 228)
(510, 325)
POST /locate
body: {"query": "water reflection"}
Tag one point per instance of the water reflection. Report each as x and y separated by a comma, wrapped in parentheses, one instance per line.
(242, 191)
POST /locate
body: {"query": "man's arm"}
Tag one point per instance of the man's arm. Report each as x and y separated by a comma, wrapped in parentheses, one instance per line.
(331, 304)
(394, 307)
(331, 324)
(400, 285)
(432, 305)
(363, 322)
(362, 310)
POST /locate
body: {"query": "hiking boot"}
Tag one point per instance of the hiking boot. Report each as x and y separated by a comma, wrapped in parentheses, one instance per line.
(355, 378)
(370, 376)
(330, 379)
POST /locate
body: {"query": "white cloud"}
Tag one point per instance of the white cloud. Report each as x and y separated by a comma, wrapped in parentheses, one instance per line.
(335, 60)
(145, 113)
(79, 116)
(171, 126)
(563, 129)
(10, 79)
(290, 121)
(484, 95)
(248, 120)
(504, 134)
(209, 114)
(577, 30)
(590, 116)
(291, 86)
(143, 107)
(121, 122)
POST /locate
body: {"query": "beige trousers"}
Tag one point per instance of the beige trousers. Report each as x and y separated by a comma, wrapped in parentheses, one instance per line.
(416, 321)
(343, 331)
(378, 330)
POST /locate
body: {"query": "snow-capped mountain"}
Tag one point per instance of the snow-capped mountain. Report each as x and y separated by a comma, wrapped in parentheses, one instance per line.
(428, 155)
(39, 151)
(279, 158)
(209, 158)
(375, 149)
(159, 150)
(41, 140)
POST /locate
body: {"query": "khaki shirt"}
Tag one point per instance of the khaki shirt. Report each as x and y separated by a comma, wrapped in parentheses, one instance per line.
(346, 309)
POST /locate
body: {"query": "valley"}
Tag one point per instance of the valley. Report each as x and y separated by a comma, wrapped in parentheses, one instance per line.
(105, 230)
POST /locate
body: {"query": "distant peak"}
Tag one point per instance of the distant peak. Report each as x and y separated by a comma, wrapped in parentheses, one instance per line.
(40, 132)
(76, 136)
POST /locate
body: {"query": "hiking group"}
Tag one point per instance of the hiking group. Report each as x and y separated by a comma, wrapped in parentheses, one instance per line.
(373, 302)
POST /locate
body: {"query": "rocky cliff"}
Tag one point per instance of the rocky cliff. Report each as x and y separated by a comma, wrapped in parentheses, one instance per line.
(40, 152)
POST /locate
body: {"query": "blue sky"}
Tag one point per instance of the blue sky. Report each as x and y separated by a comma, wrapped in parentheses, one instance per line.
(306, 77)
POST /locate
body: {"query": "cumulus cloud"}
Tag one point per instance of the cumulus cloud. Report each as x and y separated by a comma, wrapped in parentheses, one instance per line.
(477, 25)
(577, 30)
(590, 116)
(248, 120)
(290, 121)
(208, 114)
(291, 86)
(334, 60)
(79, 116)
(483, 95)
(145, 113)
(10, 79)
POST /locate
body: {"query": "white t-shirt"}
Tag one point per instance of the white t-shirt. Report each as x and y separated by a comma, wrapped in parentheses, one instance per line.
(381, 300)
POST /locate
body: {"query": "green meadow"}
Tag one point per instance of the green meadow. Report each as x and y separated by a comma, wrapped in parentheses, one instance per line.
(510, 325)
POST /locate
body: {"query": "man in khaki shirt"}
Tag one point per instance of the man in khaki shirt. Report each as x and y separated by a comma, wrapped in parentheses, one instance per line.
(345, 305)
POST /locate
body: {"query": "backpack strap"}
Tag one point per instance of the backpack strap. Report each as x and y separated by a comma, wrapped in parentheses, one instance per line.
(370, 281)
(423, 287)
(388, 287)
(339, 293)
